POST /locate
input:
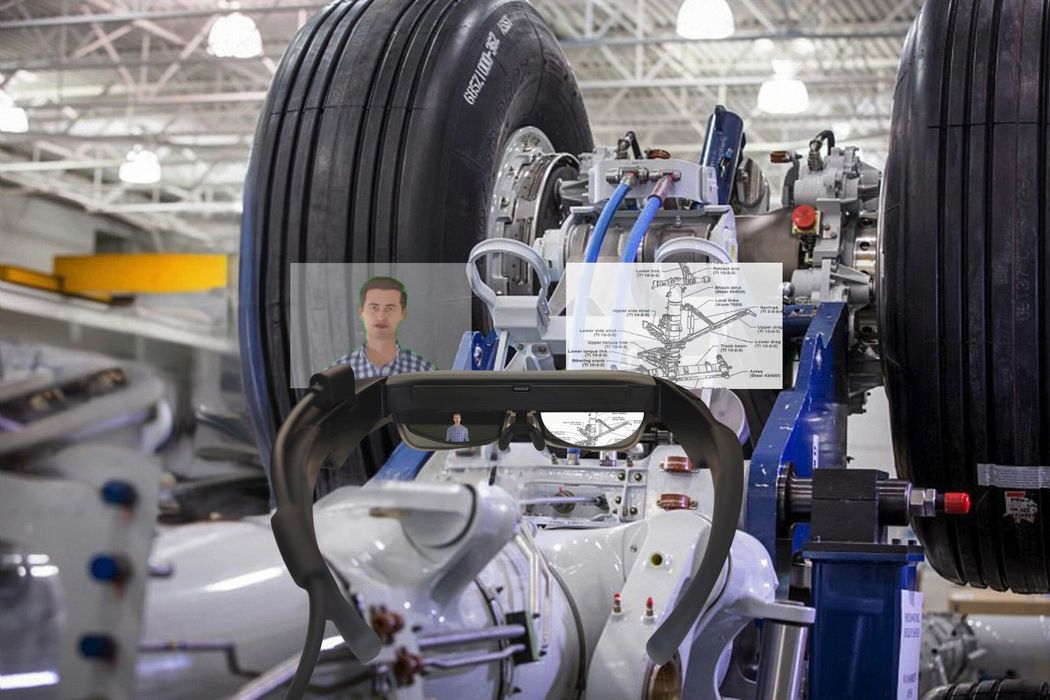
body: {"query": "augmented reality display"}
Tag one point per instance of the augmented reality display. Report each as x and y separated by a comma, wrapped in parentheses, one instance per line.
(381, 319)
(700, 325)
(599, 429)
(453, 430)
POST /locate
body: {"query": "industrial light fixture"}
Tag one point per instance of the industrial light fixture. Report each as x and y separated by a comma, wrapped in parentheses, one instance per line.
(803, 46)
(764, 46)
(705, 19)
(140, 167)
(13, 119)
(783, 93)
(235, 36)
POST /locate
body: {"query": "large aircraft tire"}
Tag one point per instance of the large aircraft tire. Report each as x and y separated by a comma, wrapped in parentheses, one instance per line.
(378, 142)
(964, 284)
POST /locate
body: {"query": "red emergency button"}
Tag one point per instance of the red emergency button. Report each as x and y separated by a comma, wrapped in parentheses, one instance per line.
(804, 217)
(956, 503)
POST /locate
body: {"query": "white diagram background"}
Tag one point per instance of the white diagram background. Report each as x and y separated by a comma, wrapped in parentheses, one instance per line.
(611, 333)
(597, 429)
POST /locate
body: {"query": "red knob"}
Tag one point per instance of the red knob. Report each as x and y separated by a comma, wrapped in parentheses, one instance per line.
(804, 217)
(956, 503)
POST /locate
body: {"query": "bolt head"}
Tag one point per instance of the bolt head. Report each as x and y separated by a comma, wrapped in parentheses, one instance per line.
(922, 503)
(109, 568)
(98, 646)
(119, 493)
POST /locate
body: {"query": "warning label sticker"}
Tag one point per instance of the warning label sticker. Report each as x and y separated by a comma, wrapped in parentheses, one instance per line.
(1020, 507)
(1009, 476)
(910, 647)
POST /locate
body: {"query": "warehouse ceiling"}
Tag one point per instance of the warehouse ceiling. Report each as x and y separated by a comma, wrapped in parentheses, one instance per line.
(98, 77)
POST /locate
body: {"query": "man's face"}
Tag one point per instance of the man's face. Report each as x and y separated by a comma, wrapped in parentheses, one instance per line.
(456, 418)
(381, 313)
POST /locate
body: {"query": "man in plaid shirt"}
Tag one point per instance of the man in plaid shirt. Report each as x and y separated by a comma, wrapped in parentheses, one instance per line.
(457, 432)
(383, 304)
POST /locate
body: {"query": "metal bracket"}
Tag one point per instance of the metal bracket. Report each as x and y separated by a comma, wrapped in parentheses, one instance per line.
(807, 427)
(526, 316)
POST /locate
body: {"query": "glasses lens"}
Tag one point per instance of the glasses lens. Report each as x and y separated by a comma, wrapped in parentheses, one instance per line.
(453, 429)
(598, 429)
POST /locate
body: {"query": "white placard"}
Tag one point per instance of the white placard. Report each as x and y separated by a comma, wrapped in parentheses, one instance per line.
(1011, 476)
(911, 643)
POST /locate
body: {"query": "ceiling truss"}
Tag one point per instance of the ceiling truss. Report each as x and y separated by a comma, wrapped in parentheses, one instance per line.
(99, 76)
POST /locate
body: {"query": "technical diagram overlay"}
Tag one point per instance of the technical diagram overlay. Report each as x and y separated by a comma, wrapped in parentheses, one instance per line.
(593, 429)
(701, 325)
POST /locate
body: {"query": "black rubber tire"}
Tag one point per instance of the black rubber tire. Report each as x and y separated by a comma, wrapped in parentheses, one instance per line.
(368, 150)
(1011, 689)
(964, 278)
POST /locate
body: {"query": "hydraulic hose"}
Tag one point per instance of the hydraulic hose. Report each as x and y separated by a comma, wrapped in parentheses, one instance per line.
(641, 225)
(594, 245)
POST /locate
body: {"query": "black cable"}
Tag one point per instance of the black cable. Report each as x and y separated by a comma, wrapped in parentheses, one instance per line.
(826, 135)
(312, 645)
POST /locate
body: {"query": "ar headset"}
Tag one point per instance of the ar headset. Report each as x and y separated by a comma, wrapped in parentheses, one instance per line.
(336, 414)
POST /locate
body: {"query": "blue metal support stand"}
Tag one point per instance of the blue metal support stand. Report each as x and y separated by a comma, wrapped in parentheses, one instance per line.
(807, 427)
(859, 594)
(859, 585)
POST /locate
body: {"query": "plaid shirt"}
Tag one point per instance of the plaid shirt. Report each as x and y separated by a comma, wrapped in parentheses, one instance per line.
(404, 361)
(457, 433)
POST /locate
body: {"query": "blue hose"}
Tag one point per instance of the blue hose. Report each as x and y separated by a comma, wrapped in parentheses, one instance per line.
(641, 225)
(594, 245)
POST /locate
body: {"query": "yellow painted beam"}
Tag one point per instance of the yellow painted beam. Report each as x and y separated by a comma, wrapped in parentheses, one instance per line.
(141, 272)
(47, 282)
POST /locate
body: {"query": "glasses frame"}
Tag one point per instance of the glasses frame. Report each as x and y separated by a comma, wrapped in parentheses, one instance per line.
(337, 412)
(509, 421)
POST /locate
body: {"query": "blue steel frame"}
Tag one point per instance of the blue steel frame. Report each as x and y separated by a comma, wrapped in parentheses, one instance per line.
(807, 427)
(855, 644)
